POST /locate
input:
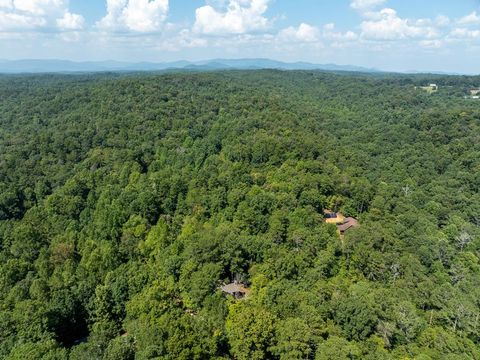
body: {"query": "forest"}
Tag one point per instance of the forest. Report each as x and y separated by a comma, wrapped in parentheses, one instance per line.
(128, 200)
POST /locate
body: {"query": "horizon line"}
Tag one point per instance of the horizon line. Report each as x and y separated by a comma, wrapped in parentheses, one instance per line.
(205, 61)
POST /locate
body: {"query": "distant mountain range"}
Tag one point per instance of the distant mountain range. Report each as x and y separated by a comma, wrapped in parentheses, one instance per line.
(66, 66)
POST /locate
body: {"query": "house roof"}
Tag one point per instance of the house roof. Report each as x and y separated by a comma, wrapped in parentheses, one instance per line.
(234, 288)
(349, 223)
(332, 217)
(343, 223)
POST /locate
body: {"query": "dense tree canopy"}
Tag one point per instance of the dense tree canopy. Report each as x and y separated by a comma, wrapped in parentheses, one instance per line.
(126, 201)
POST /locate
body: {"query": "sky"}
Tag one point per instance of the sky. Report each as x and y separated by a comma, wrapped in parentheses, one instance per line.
(394, 35)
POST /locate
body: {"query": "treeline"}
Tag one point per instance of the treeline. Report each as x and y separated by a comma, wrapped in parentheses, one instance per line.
(127, 201)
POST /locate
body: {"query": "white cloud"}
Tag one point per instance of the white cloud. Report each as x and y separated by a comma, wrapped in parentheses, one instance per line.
(314, 37)
(40, 7)
(463, 33)
(240, 17)
(6, 4)
(134, 15)
(302, 33)
(442, 20)
(431, 44)
(338, 36)
(183, 40)
(389, 26)
(11, 21)
(329, 27)
(30, 15)
(366, 4)
(470, 19)
(71, 21)
(423, 22)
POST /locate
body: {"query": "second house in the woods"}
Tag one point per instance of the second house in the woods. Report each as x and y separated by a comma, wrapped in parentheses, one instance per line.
(343, 223)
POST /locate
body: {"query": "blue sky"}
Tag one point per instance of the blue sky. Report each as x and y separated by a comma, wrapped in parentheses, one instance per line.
(401, 35)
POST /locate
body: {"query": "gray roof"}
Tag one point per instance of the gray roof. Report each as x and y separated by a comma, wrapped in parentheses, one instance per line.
(349, 223)
(233, 288)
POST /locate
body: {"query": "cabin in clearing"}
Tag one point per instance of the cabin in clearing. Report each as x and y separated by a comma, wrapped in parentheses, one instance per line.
(348, 224)
(343, 223)
(333, 217)
(237, 290)
(431, 88)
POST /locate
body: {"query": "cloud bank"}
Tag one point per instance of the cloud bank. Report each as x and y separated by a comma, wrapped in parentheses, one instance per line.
(232, 28)
(39, 15)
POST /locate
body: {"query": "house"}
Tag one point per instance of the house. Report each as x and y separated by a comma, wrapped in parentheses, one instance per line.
(348, 224)
(343, 223)
(237, 290)
(430, 88)
(333, 217)
(474, 92)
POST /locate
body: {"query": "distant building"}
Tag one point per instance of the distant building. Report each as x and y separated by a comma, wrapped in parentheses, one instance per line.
(348, 224)
(475, 92)
(333, 217)
(343, 223)
(475, 97)
(430, 88)
(237, 290)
